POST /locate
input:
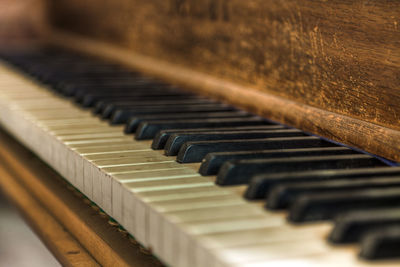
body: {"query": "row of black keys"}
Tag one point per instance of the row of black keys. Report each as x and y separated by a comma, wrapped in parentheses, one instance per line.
(313, 178)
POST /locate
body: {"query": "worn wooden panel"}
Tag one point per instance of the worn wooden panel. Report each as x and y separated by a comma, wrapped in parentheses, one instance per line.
(342, 56)
(368, 136)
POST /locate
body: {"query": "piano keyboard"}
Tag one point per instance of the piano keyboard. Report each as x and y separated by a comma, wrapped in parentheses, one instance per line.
(202, 183)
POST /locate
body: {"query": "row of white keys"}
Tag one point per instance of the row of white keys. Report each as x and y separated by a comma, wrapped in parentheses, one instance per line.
(140, 185)
(184, 218)
(137, 176)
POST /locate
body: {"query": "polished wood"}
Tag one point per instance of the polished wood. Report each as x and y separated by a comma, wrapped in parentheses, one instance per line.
(76, 233)
(338, 56)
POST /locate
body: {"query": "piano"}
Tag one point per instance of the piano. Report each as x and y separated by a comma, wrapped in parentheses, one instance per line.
(210, 133)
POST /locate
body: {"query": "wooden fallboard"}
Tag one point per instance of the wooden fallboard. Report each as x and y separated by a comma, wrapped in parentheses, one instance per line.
(334, 64)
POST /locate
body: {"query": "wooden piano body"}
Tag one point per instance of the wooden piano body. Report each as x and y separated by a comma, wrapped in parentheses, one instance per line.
(298, 62)
(330, 68)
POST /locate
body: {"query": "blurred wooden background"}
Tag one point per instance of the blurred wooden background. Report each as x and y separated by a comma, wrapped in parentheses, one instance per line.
(22, 21)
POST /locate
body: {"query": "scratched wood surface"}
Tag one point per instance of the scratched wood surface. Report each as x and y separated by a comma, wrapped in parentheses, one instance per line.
(342, 56)
(339, 56)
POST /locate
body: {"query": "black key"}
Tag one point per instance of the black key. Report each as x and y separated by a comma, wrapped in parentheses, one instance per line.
(162, 136)
(111, 108)
(101, 103)
(147, 130)
(196, 151)
(135, 121)
(125, 85)
(61, 84)
(131, 101)
(261, 184)
(241, 171)
(79, 89)
(381, 244)
(108, 90)
(213, 161)
(91, 99)
(350, 227)
(109, 87)
(327, 205)
(97, 77)
(63, 78)
(282, 196)
(139, 111)
(175, 141)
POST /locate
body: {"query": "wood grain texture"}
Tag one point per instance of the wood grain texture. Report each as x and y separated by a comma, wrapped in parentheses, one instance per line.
(355, 132)
(341, 56)
(106, 245)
